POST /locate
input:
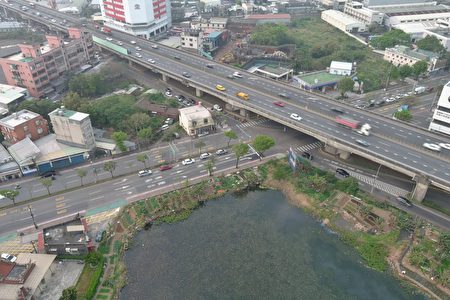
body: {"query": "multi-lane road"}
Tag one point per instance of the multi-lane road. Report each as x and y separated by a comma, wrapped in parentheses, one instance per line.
(391, 141)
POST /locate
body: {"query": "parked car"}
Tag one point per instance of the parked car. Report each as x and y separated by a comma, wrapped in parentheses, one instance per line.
(307, 155)
(168, 94)
(404, 201)
(168, 121)
(217, 107)
(204, 133)
(165, 167)
(188, 161)
(205, 155)
(48, 174)
(165, 127)
(221, 152)
(144, 173)
(342, 172)
(8, 257)
(99, 236)
(296, 117)
(445, 145)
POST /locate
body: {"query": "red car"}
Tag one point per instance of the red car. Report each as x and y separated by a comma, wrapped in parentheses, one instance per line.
(279, 103)
(165, 167)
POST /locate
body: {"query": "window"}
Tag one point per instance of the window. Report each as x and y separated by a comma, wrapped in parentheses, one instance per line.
(194, 123)
(25, 128)
(137, 6)
(205, 120)
(38, 122)
(40, 130)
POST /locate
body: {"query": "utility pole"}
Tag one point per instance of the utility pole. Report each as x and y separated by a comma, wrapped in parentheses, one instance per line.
(32, 217)
(375, 179)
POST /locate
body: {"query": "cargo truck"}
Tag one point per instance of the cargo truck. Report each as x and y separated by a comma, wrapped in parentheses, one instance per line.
(357, 126)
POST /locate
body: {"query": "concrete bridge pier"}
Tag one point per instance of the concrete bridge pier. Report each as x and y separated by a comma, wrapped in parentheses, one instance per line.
(130, 63)
(330, 149)
(244, 113)
(344, 154)
(421, 188)
(198, 92)
(335, 151)
(164, 77)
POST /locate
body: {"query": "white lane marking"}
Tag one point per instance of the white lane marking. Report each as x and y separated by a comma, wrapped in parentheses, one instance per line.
(148, 180)
(96, 198)
(150, 186)
(161, 182)
(95, 192)
(119, 182)
(159, 177)
(122, 188)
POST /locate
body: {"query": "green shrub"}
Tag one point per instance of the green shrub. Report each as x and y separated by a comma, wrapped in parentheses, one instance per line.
(95, 280)
(281, 172)
(348, 185)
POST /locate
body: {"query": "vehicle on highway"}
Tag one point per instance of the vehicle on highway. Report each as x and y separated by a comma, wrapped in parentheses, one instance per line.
(138, 48)
(221, 152)
(445, 145)
(152, 61)
(139, 55)
(154, 46)
(360, 106)
(119, 43)
(433, 147)
(296, 117)
(165, 167)
(164, 127)
(177, 57)
(243, 96)
(17, 187)
(363, 143)
(217, 107)
(109, 39)
(48, 174)
(9, 257)
(337, 110)
(279, 103)
(203, 133)
(186, 74)
(211, 66)
(307, 155)
(133, 42)
(284, 95)
(342, 172)
(404, 201)
(237, 74)
(205, 155)
(220, 87)
(357, 126)
(144, 173)
(188, 161)
(230, 76)
(53, 20)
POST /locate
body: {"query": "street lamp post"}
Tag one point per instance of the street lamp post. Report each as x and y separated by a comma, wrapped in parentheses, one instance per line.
(375, 179)
(32, 217)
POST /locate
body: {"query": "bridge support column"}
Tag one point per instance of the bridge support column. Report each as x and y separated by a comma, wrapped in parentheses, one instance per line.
(130, 63)
(164, 77)
(331, 149)
(344, 154)
(198, 92)
(243, 112)
(421, 188)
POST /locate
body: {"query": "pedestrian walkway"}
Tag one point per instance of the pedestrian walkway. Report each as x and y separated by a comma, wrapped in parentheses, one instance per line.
(254, 123)
(309, 147)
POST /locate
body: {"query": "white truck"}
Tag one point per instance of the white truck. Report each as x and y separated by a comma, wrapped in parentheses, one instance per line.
(419, 90)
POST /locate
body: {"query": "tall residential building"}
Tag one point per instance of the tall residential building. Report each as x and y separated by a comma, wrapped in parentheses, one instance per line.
(72, 128)
(441, 116)
(38, 68)
(143, 18)
(22, 124)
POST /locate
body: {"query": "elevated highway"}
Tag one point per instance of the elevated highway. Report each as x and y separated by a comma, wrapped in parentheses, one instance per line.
(394, 144)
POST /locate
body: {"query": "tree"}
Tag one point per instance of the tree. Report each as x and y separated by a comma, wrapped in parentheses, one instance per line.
(419, 68)
(10, 194)
(110, 166)
(431, 43)
(95, 171)
(47, 183)
(345, 85)
(263, 143)
(240, 150)
(119, 137)
(231, 135)
(142, 157)
(42, 107)
(209, 165)
(404, 71)
(317, 183)
(145, 134)
(403, 115)
(74, 101)
(390, 39)
(69, 293)
(349, 185)
(136, 122)
(93, 258)
(200, 144)
(81, 173)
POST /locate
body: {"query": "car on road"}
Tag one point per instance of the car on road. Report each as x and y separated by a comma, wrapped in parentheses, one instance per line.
(342, 172)
(138, 48)
(284, 95)
(445, 145)
(211, 66)
(139, 55)
(133, 42)
(165, 167)
(9, 257)
(404, 201)
(144, 173)
(177, 57)
(230, 76)
(154, 46)
(217, 107)
(48, 174)
(363, 143)
(307, 155)
(220, 87)
(186, 74)
(432, 147)
(390, 100)
(119, 43)
(237, 74)
(203, 133)
(296, 117)
(152, 61)
(109, 39)
(221, 152)
(360, 106)
(279, 103)
(188, 161)
(337, 110)
(205, 155)
(164, 127)
(168, 93)
(53, 20)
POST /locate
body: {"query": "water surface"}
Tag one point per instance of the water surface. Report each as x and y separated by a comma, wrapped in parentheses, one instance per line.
(253, 247)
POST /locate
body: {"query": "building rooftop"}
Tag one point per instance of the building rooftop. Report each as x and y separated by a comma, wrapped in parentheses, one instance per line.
(51, 149)
(319, 78)
(70, 114)
(341, 65)
(10, 93)
(218, 20)
(72, 232)
(24, 151)
(7, 163)
(405, 10)
(18, 118)
(19, 56)
(416, 53)
(195, 112)
(344, 18)
(268, 16)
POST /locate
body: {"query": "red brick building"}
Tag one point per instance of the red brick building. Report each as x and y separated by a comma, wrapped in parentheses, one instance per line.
(36, 67)
(22, 124)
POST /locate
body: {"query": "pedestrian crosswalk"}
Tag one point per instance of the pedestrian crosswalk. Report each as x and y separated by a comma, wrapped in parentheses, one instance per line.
(380, 185)
(254, 123)
(309, 147)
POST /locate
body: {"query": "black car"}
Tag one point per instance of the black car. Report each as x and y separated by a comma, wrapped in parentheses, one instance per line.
(211, 66)
(177, 57)
(342, 172)
(337, 110)
(307, 155)
(48, 174)
(404, 201)
(186, 74)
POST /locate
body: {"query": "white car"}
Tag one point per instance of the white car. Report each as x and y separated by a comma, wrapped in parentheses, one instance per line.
(53, 20)
(119, 43)
(154, 46)
(188, 161)
(133, 42)
(445, 145)
(138, 48)
(139, 55)
(109, 39)
(152, 61)
(9, 257)
(205, 155)
(165, 127)
(168, 93)
(221, 152)
(433, 147)
(296, 117)
(144, 173)
(217, 107)
(390, 100)
(237, 74)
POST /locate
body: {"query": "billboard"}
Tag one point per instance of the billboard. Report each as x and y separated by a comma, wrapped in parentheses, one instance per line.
(110, 45)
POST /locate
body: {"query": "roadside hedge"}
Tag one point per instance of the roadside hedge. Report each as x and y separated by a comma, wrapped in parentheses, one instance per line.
(95, 279)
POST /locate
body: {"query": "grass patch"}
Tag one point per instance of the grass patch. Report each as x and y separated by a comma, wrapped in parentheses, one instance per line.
(437, 207)
(89, 280)
(176, 217)
(102, 297)
(104, 290)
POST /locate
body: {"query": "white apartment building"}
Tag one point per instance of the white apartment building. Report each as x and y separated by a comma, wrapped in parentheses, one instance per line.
(441, 116)
(72, 128)
(418, 31)
(196, 120)
(342, 21)
(363, 14)
(402, 55)
(138, 17)
(191, 39)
